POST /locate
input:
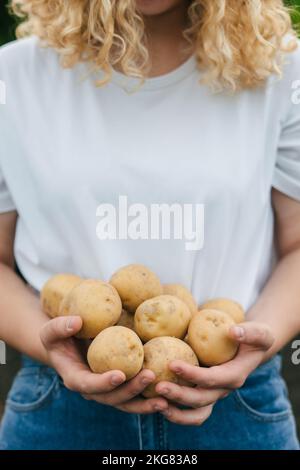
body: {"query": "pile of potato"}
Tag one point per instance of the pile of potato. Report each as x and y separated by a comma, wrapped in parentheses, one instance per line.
(136, 322)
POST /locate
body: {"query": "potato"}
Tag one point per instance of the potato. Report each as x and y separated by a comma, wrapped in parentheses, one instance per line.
(186, 339)
(55, 289)
(159, 352)
(126, 319)
(165, 315)
(135, 283)
(183, 294)
(208, 337)
(116, 348)
(232, 308)
(97, 303)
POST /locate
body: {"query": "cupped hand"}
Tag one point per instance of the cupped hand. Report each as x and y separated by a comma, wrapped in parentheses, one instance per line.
(65, 356)
(215, 383)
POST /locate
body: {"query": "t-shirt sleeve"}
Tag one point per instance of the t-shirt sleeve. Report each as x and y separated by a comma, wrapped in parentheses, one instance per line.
(287, 170)
(6, 200)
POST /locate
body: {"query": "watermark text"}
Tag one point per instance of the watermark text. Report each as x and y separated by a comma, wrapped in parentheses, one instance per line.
(2, 353)
(153, 222)
(2, 92)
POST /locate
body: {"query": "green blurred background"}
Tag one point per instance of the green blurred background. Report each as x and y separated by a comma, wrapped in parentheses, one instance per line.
(291, 372)
(7, 24)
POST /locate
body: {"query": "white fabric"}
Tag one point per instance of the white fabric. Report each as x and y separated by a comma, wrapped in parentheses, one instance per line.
(67, 147)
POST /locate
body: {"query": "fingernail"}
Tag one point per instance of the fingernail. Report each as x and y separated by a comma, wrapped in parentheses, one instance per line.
(239, 332)
(158, 408)
(116, 380)
(166, 413)
(165, 391)
(177, 370)
(70, 324)
(146, 381)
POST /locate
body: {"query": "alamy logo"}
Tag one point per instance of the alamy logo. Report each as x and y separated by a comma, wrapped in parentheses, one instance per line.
(2, 352)
(296, 92)
(296, 353)
(2, 92)
(152, 222)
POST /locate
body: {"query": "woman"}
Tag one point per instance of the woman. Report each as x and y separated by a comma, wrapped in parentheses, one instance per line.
(164, 102)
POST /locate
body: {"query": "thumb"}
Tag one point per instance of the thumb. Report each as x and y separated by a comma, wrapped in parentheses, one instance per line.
(253, 334)
(60, 328)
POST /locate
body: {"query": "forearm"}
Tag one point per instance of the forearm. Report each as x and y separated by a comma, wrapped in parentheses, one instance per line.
(279, 303)
(20, 315)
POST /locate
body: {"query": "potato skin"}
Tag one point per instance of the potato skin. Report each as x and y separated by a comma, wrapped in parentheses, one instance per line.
(116, 348)
(135, 283)
(165, 315)
(209, 339)
(54, 290)
(126, 319)
(96, 302)
(159, 352)
(232, 308)
(180, 291)
(186, 339)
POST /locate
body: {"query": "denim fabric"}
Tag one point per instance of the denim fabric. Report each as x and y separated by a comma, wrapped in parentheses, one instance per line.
(41, 413)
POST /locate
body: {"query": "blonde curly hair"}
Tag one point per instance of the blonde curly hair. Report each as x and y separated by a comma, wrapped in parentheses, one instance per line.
(238, 43)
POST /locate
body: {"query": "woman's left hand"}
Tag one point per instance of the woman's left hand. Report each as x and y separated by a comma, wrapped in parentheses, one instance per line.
(215, 382)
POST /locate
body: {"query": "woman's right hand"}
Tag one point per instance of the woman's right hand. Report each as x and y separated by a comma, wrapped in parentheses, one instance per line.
(64, 356)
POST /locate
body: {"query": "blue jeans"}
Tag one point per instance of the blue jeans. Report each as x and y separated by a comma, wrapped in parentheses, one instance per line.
(41, 413)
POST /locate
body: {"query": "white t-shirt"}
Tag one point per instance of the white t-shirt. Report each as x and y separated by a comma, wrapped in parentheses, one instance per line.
(72, 153)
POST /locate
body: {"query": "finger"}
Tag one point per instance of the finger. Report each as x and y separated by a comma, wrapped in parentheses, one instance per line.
(187, 417)
(142, 406)
(83, 381)
(191, 397)
(132, 388)
(253, 334)
(230, 375)
(59, 328)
